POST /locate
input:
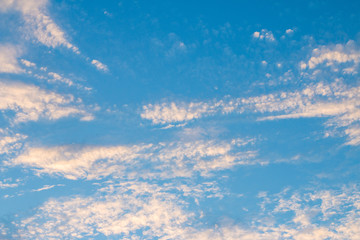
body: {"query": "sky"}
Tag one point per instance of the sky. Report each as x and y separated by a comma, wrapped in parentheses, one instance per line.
(179, 120)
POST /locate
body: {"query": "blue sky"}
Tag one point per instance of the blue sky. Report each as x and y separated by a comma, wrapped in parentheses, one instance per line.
(179, 120)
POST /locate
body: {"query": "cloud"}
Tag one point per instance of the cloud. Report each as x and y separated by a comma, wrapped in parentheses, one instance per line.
(52, 77)
(30, 103)
(39, 23)
(57, 77)
(126, 209)
(3, 230)
(10, 142)
(28, 63)
(324, 99)
(264, 35)
(335, 101)
(313, 211)
(354, 135)
(161, 161)
(46, 187)
(289, 31)
(172, 112)
(7, 184)
(333, 56)
(134, 210)
(8, 59)
(99, 65)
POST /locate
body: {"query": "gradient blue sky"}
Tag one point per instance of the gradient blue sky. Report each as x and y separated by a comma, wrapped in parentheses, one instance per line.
(179, 119)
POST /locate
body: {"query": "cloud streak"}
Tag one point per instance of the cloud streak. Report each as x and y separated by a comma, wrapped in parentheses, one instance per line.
(160, 161)
(39, 24)
(335, 101)
(99, 65)
(30, 103)
(333, 56)
(132, 210)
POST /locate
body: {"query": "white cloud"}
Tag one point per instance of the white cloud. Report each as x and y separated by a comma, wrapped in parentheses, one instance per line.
(8, 184)
(137, 210)
(3, 230)
(29, 103)
(336, 101)
(10, 142)
(53, 77)
(8, 59)
(99, 65)
(264, 35)
(39, 23)
(57, 77)
(303, 65)
(28, 63)
(168, 113)
(289, 31)
(170, 160)
(46, 187)
(334, 55)
(354, 135)
(126, 209)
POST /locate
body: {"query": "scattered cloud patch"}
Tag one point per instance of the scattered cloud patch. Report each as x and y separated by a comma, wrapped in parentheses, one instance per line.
(28, 63)
(10, 142)
(289, 31)
(3, 230)
(172, 112)
(8, 59)
(8, 183)
(345, 56)
(125, 210)
(164, 160)
(132, 210)
(99, 65)
(58, 77)
(30, 103)
(264, 35)
(354, 135)
(336, 101)
(38, 22)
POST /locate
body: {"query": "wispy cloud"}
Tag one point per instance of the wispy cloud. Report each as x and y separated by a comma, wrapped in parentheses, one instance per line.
(336, 101)
(46, 187)
(164, 160)
(28, 63)
(58, 77)
(172, 112)
(10, 142)
(134, 209)
(99, 65)
(39, 24)
(333, 56)
(124, 210)
(9, 55)
(7, 183)
(51, 77)
(30, 103)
